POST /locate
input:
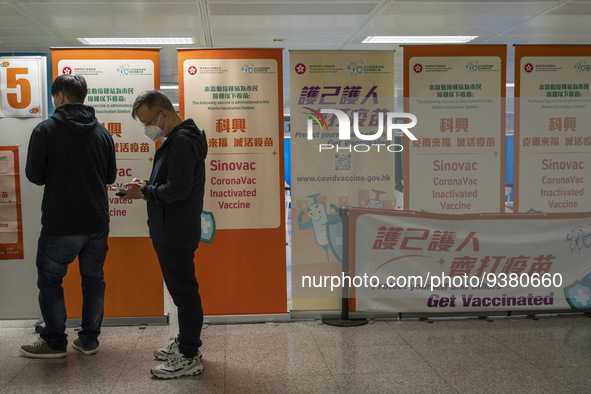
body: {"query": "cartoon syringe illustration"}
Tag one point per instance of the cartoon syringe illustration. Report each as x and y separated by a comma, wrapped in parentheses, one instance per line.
(375, 203)
(319, 221)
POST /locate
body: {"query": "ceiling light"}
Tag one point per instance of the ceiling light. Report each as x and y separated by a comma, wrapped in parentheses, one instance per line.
(418, 39)
(137, 41)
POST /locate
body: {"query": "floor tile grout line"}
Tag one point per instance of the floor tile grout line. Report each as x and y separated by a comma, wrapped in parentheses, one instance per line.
(504, 345)
(390, 327)
(507, 346)
(29, 361)
(16, 374)
(334, 379)
(135, 344)
(423, 358)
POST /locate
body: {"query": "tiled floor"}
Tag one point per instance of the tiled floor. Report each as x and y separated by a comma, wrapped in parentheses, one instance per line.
(507, 355)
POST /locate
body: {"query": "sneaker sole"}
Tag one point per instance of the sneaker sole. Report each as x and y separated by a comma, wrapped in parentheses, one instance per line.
(172, 376)
(86, 352)
(43, 355)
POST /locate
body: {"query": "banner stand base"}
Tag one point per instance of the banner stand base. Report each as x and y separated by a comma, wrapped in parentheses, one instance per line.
(338, 322)
(344, 320)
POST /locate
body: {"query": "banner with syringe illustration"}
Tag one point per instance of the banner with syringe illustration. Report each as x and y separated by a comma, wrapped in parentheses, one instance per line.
(325, 222)
(353, 172)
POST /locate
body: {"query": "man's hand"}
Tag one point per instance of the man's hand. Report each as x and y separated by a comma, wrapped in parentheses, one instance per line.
(134, 189)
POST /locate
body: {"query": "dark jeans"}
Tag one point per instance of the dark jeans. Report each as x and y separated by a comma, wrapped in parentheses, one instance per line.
(54, 254)
(178, 270)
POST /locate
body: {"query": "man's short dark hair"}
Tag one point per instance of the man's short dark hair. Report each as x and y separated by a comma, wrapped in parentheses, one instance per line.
(151, 99)
(72, 86)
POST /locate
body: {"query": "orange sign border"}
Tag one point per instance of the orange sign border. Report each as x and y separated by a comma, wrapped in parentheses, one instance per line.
(134, 284)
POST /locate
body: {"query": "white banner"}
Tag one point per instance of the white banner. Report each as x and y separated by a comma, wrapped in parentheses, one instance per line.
(21, 87)
(235, 102)
(329, 172)
(457, 94)
(417, 262)
(553, 138)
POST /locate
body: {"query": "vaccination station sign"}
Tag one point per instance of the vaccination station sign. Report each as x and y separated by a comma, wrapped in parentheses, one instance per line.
(552, 128)
(457, 94)
(115, 77)
(235, 96)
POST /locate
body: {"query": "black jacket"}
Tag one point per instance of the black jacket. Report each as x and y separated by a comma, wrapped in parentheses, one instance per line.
(176, 186)
(73, 155)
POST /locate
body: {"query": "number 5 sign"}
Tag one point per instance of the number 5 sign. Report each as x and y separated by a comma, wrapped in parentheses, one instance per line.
(20, 87)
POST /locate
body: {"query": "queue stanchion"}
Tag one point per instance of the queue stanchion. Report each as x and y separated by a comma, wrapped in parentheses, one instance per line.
(344, 320)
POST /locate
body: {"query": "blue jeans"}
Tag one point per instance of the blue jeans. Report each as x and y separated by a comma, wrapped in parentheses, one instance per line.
(54, 254)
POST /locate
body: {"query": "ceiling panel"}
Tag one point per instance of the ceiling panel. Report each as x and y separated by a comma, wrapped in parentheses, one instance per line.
(469, 8)
(549, 21)
(293, 8)
(97, 2)
(546, 39)
(21, 32)
(306, 25)
(37, 44)
(115, 23)
(444, 20)
(579, 8)
(7, 12)
(74, 11)
(558, 30)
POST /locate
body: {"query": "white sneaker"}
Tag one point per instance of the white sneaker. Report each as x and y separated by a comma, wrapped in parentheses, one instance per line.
(164, 353)
(176, 366)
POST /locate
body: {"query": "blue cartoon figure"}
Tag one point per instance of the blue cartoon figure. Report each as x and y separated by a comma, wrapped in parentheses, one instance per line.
(579, 238)
(327, 227)
(578, 293)
(375, 202)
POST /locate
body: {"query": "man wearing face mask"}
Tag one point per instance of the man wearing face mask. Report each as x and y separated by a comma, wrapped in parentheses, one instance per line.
(174, 195)
(73, 156)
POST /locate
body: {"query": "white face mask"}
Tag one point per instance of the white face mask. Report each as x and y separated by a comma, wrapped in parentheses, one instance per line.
(154, 132)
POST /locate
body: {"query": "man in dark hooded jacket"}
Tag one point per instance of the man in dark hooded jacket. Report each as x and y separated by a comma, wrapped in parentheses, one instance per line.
(174, 195)
(73, 156)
